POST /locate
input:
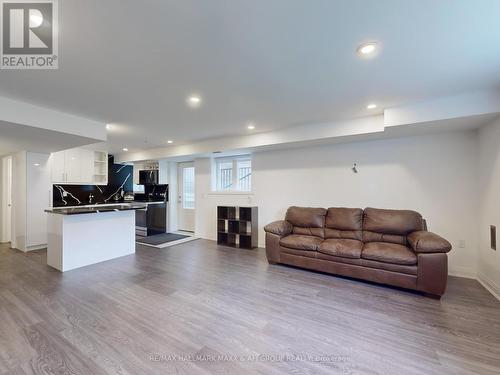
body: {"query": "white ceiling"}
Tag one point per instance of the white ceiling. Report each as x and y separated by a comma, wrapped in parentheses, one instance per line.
(277, 63)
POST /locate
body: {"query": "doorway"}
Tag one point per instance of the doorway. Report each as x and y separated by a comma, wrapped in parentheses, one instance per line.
(6, 199)
(186, 198)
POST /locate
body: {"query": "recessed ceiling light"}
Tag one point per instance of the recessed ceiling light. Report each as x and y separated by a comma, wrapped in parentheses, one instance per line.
(125, 149)
(367, 49)
(108, 126)
(36, 165)
(194, 101)
(371, 106)
(170, 141)
(251, 126)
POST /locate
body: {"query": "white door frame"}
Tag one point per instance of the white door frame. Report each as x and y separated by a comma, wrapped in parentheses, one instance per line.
(6, 229)
(185, 216)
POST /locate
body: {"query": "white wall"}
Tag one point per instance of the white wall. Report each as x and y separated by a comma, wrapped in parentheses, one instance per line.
(435, 175)
(17, 112)
(489, 182)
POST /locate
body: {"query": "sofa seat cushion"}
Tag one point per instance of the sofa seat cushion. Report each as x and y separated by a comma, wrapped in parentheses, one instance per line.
(300, 253)
(301, 242)
(389, 253)
(341, 247)
(400, 268)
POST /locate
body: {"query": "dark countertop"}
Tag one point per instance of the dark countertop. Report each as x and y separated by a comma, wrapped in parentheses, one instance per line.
(96, 209)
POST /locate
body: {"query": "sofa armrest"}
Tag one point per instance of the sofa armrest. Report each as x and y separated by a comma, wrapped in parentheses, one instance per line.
(281, 228)
(428, 242)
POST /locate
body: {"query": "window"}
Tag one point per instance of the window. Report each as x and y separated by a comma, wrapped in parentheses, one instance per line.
(188, 188)
(234, 174)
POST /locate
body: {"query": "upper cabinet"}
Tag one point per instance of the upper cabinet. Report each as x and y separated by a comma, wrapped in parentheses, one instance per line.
(80, 166)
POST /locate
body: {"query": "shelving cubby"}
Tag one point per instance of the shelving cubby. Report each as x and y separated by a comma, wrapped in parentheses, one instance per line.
(237, 226)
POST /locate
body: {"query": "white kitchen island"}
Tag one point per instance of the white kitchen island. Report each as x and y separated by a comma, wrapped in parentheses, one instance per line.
(82, 236)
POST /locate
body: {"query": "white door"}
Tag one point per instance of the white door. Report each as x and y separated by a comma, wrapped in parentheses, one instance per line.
(186, 203)
(6, 229)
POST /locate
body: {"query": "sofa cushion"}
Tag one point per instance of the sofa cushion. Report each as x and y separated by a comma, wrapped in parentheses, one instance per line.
(380, 225)
(307, 220)
(389, 253)
(341, 247)
(341, 222)
(401, 268)
(301, 253)
(301, 242)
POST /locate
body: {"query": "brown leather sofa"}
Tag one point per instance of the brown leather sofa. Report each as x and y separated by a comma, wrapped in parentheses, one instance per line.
(384, 246)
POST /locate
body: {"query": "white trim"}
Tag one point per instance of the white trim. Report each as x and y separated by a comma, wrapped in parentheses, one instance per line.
(462, 272)
(230, 192)
(36, 247)
(489, 285)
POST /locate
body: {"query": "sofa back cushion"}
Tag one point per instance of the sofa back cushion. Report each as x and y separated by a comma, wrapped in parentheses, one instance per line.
(346, 223)
(307, 220)
(392, 226)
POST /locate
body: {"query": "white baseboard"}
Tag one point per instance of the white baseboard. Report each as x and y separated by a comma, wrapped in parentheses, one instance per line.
(36, 247)
(462, 272)
(490, 285)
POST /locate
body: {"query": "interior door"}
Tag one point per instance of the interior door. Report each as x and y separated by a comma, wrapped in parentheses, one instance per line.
(186, 202)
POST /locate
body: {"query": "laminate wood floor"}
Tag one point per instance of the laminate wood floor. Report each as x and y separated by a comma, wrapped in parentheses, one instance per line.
(198, 308)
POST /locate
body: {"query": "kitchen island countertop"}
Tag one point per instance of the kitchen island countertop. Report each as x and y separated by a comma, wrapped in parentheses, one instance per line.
(96, 209)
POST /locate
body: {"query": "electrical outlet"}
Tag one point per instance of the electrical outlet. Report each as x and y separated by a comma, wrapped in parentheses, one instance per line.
(461, 244)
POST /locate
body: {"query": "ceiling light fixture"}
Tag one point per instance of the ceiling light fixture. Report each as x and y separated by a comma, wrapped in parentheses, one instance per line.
(125, 149)
(371, 106)
(36, 165)
(170, 141)
(251, 126)
(194, 101)
(367, 49)
(108, 126)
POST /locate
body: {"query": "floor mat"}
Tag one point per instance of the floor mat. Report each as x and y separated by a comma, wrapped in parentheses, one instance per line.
(159, 239)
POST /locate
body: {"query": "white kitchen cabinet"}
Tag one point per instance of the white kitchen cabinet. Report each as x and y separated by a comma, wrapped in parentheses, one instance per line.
(80, 166)
(58, 167)
(100, 168)
(73, 165)
(86, 165)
